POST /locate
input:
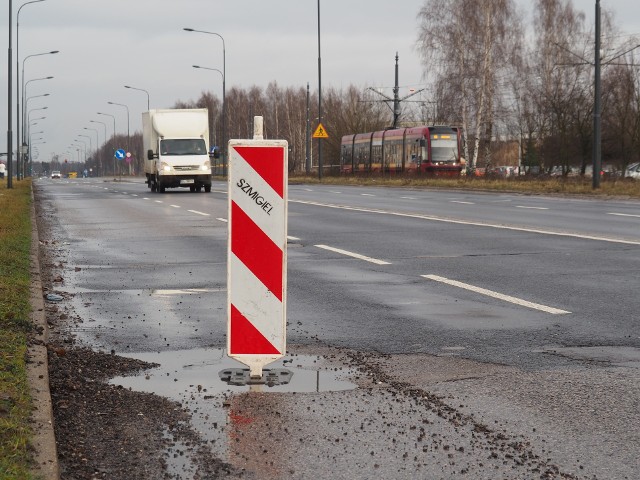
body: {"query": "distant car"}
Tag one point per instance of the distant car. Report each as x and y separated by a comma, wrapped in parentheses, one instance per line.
(633, 171)
(56, 174)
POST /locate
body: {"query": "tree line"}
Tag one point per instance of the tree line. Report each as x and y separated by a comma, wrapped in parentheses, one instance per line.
(484, 73)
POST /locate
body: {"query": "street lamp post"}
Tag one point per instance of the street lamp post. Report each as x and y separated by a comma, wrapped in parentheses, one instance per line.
(29, 128)
(90, 144)
(113, 146)
(224, 103)
(104, 125)
(23, 87)
(123, 105)
(98, 166)
(18, 75)
(222, 75)
(24, 95)
(319, 98)
(27, 166)
(9, 119)
(142, 90)
(21, 166)
(84, 147)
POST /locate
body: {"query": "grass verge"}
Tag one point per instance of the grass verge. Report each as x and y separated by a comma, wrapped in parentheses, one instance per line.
(15, 325)
(525, 185)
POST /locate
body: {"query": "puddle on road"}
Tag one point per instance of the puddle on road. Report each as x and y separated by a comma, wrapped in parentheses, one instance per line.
(188, 372)
(191, 377)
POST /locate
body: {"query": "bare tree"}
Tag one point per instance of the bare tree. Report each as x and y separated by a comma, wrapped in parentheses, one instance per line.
(465, 45)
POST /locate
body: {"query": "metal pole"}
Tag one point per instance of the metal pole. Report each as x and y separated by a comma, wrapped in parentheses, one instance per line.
(10, 118)
(113, 145)
(101, 156)
(19, 159)
(224, 96)
(396, 98)
(307, 142)
(18, 142)
(123, 105)
(319, 98)
(142, 90)
(597, 146)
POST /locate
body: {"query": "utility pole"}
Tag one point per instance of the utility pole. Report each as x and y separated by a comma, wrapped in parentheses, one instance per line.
(319, 98)
(396, 97)
(307, 137)
(9, 125)
(597, 140)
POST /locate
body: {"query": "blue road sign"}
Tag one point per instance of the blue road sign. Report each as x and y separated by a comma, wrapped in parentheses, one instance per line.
(120, 154)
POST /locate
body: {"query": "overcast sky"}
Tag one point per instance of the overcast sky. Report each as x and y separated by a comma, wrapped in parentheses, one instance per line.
(106, 44)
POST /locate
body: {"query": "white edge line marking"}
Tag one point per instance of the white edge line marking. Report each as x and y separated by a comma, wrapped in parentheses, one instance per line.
(198, 213)
(145, 198)
(464, 222)
(289, 237)
(175, 206)
(367, 195)
(223, 220)
(158, 201)
(354, 255)
(499, 296)
(460, 201)
(624, 214)
(532, 208)
(408, 198)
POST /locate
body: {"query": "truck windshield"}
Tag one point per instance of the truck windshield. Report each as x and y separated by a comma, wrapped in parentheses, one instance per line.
(183, 146)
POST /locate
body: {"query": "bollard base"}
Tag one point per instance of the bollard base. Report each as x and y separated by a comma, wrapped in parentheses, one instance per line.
(242, 376)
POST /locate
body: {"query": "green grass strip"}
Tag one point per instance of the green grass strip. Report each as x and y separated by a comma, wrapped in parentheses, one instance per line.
(15, 400)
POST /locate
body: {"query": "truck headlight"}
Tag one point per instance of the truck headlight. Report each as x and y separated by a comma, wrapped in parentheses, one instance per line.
(166, 167)
(206, 166)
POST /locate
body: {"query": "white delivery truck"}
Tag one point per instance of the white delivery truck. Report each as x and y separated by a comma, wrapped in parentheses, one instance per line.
(177, 146)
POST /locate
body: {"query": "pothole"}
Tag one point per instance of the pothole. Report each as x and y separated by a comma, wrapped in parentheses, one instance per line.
(614, 355)
(196, 372)
(192, 377)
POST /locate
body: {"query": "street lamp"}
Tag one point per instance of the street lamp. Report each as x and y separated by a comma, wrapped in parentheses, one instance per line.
(222, 75)
(224, 103)
(104, 125)
(24, 94)
(29, 119)
(113, 146)
(23, 85)
(17, 74)
(90, 144)
(84, 147)
(142, 90)
(123, 105)
(98, 163)
(209, 68)
(10, 118)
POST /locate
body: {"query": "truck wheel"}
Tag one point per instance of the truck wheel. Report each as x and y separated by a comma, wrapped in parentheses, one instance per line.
(192, 189)
(198, 189)
(207, 188)
(153, 187)
(161, 189)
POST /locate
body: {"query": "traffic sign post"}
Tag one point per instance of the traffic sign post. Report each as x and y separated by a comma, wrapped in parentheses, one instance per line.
(257, 250)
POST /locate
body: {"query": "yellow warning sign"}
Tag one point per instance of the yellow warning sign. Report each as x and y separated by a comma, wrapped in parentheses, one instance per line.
(320, 132)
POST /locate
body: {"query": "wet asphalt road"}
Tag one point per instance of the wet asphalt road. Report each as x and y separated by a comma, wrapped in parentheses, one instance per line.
(502, 327)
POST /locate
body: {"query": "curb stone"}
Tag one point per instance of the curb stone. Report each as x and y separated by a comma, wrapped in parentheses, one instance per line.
(44, 440)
